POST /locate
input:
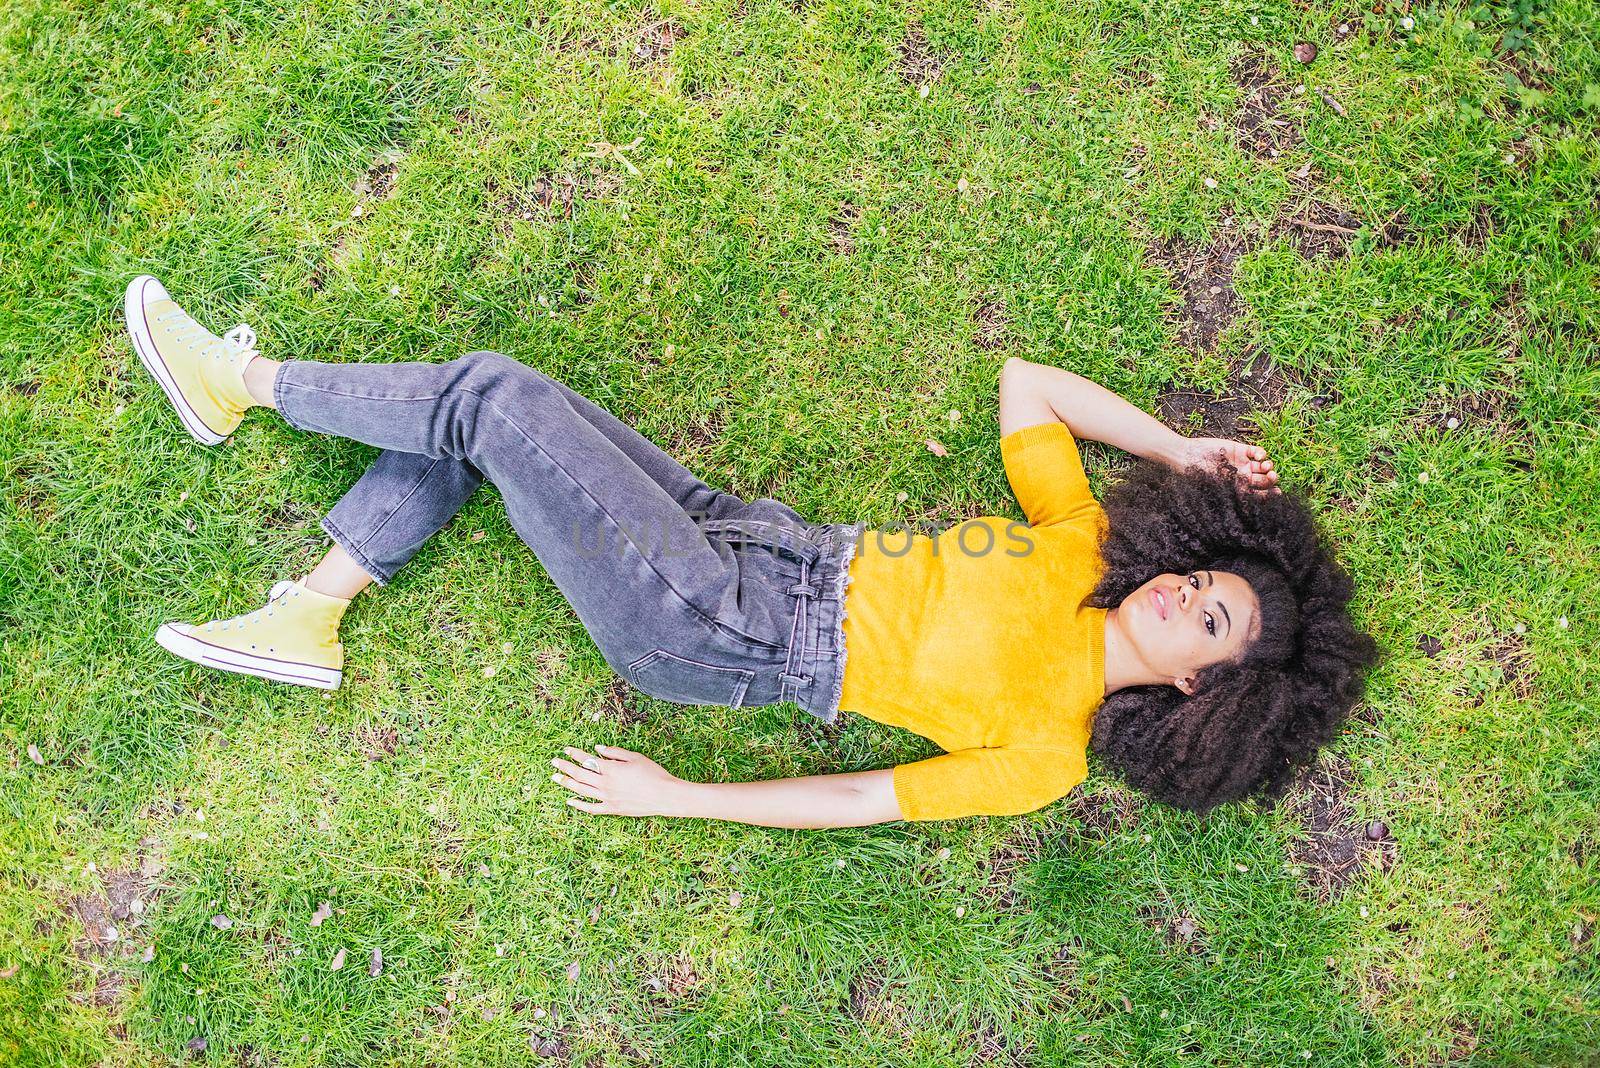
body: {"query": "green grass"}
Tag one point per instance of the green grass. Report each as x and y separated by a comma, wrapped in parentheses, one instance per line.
(219, 146)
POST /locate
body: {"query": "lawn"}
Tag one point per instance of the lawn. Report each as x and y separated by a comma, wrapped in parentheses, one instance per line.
(793, 243)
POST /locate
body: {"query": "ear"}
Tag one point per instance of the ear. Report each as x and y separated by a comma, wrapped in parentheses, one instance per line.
(1185, 683)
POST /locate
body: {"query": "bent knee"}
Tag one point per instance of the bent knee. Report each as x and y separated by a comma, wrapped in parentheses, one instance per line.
(485, 372)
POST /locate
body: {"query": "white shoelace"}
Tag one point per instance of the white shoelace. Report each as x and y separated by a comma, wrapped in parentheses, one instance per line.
(240, 342)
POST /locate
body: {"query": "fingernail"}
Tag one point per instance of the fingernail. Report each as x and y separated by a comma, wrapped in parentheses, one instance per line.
(600, 748)
(556, 777)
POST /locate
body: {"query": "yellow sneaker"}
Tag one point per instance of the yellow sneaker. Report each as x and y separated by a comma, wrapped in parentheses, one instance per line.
(294, 638)
(201, 374)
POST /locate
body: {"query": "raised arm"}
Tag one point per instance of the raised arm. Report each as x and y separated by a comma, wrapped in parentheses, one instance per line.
(618, 782)
(1032, 393)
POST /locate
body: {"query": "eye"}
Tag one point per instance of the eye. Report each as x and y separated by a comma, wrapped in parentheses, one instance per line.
(1194, 580)
(1211, 624)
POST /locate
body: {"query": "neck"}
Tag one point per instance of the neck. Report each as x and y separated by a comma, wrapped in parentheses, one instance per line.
(1124, 666)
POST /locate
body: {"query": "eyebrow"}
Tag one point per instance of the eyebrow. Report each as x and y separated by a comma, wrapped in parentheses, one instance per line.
(1212, 581)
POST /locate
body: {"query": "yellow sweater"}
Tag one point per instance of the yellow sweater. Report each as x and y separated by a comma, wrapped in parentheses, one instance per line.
(977, 639)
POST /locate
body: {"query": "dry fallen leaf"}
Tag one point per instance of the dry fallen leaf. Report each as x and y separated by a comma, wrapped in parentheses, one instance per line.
(221, 922)
(936, 448)
(735, 899)
(1305, 52)
(8, 972)
(375, 963)
(324, 911)
(573, 971)
(34, 754)
(338, 960)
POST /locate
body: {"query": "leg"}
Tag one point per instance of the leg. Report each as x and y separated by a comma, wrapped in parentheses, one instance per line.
(337, 575)
(691, 493)
(631, 560)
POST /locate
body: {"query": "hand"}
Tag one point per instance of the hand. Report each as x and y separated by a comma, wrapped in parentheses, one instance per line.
(1250, 462)
(617, 782)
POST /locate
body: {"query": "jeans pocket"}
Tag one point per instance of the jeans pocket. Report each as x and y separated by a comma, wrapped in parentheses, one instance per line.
(688, 682)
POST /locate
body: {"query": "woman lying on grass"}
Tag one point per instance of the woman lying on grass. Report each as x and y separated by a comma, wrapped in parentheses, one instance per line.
(1192, 629)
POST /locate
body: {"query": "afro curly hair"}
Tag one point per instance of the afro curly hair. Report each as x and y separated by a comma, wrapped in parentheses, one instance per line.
(1252, 722)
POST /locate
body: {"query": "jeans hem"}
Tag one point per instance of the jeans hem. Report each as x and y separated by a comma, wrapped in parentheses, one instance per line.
(278, 396)
(345, 542)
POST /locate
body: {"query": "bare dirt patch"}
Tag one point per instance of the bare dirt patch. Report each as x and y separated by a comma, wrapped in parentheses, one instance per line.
(378, 181)
(1203, 275)
(1254, 384)
(111, 919)
(1317, 229)
(990, 318)
(1005, 865)
(675, 981)
(872, 1001)
(1258, 129)
(622, 704)
(920, 63)
(547, 197)
(990, 1046)
(653, 43)
(841, 229)
(1180, 930)
(1509, 653)
(1099, 815)
(377, 741)
(1334, 849)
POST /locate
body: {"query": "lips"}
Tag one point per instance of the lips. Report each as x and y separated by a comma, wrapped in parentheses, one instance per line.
(1159, 600)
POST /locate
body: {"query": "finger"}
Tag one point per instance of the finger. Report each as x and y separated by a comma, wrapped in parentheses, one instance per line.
(573, 771)
(583, 788)
(611, 752)
(1257, 453)
(583, 758)
(587, 806)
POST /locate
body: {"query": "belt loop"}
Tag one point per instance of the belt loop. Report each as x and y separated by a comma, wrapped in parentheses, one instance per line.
(791, 677)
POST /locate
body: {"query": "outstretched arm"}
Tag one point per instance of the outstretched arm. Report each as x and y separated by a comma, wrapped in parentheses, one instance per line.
(618, 782)
(1032, 393)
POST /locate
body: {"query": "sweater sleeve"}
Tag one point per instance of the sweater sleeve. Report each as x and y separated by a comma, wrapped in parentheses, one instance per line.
(1046, 474)
(986, 782)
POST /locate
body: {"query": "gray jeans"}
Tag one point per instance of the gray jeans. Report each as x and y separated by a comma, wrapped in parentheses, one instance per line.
(691, 593)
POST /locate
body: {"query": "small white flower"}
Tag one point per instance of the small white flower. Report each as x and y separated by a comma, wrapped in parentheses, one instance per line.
(394, 291)
(1255, 20)
(1211, 183)
(1451, 423)
(357, 211)
(1408, 23)
(1422, 477)
(1562, 622)
(961, 910)
(1364, 912)
(839, 863)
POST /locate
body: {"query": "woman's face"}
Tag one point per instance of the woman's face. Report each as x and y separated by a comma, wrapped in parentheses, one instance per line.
(1181, 624)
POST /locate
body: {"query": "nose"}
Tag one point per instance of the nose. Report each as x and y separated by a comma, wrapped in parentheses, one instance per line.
(1184, 590)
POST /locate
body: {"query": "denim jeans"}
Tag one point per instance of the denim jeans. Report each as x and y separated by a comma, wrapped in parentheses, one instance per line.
(690, 593)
